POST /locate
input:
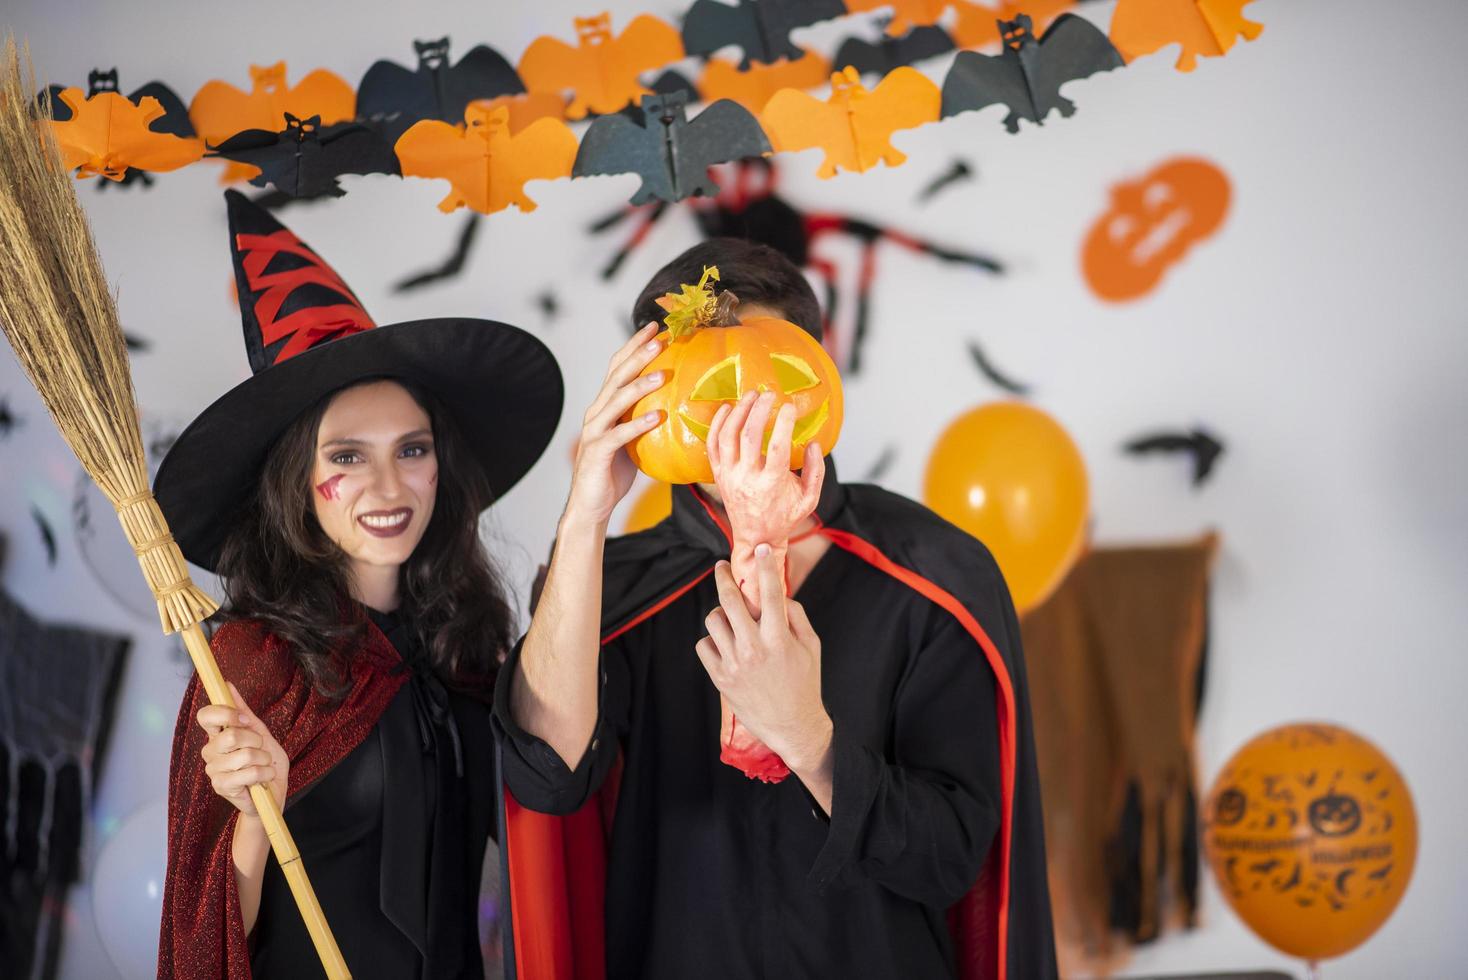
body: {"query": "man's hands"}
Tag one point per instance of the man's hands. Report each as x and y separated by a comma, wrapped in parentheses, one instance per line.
(769, 671)
(765, 501)
(603, 473)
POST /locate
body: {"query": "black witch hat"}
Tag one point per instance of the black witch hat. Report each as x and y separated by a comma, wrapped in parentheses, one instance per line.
(307, 336)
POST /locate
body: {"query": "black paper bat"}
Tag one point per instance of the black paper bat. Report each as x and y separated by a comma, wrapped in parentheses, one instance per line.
(670, 152)
(888, 53)
(672, 81)
(957, 172)
(549, 304)
(48, 536)
(1204, 448)
(880, 465)
(451, 266)
(393, 97)
(988, 370)
(1027, 74)
(306, 158)
(9, 421)
(135, 343)
(175, 118)
(760, 28)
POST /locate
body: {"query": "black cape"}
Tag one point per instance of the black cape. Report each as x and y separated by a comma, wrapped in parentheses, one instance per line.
(555, 867)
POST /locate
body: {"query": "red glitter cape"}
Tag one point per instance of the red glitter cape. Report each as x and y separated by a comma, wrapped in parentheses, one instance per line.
(202, 933)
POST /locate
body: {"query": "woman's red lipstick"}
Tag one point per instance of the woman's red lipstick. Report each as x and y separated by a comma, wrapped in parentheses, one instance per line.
(386, 523)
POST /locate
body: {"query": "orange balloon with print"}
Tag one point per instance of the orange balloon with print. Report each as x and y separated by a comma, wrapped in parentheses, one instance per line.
(650, 507)
(1312, 836)
(1011, 476)
(1151, 224)
(714, 356)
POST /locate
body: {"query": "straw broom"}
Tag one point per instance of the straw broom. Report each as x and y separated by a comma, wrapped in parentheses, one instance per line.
(56, 312)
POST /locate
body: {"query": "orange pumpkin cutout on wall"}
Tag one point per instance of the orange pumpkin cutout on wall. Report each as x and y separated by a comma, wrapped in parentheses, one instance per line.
(713, 357)
(1312, 835)
(1151, 225)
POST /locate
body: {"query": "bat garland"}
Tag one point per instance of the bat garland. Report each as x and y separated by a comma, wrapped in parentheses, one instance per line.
(300, 137)
(1027, 73)
(670, 152)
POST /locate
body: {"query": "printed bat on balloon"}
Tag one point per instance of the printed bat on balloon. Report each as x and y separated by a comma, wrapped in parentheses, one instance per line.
(305, 159)
(854, 126)
(760, 28)
(670, 152)
(1206, 28)
(1027, 74)
(393, 98)
(487, 162)
(601, 70)
(104, 133)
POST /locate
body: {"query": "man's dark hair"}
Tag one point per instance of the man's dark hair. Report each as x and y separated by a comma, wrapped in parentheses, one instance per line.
(755, 273)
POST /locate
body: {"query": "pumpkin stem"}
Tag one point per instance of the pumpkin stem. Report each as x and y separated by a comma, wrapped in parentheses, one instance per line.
(699, 306)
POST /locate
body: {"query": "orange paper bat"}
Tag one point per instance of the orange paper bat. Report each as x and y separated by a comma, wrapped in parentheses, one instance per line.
(601, 69)
(1203, 27)
(108, 133)
(220, 110)
(977, 26)
(854, 126)
(906, 14)
(526, 107)
(753, 88)
(486, 162)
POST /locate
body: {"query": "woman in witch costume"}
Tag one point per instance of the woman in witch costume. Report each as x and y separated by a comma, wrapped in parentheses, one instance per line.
(337, 494)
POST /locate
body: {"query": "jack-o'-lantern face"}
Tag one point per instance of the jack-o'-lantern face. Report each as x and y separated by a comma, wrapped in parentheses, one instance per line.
(714, 365)
(1229, 808)
(1151, 224)
(726, 381)
(1334, 814)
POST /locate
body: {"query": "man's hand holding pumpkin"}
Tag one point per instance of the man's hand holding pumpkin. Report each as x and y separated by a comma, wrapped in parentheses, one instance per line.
(766, 502)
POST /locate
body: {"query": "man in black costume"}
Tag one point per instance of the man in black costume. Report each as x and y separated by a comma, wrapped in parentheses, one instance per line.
(890, 682)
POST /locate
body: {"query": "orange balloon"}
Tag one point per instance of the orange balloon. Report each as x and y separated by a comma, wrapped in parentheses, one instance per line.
(1009, 475)
(650, 507)
(1312, 835)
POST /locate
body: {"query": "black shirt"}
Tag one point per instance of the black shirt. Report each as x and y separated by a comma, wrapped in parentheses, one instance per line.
(393, 838)
(714, 875)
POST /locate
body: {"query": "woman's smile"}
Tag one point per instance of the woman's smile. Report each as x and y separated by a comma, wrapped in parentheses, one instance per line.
(386, 523)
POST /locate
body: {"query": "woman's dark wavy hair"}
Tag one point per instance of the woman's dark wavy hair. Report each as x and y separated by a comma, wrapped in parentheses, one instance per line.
(280, 569)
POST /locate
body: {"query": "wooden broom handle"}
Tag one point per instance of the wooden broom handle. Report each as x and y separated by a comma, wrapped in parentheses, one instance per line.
(281, 841)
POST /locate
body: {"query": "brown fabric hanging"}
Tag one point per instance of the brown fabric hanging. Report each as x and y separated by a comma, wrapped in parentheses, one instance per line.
(1115, 659)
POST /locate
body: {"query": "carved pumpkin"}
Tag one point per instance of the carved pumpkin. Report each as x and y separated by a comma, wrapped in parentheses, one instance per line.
(1312, 835)
(713, 357)
(1151, 224)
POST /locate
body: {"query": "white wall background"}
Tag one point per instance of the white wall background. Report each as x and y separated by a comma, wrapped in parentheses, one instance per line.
(1321, 333)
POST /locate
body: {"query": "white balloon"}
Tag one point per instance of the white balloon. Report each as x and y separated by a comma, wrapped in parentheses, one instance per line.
(127, 891)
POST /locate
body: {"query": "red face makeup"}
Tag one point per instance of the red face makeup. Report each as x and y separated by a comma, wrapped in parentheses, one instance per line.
(328, 488)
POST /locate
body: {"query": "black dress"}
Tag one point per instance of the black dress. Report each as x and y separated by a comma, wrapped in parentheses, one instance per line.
(393, 839)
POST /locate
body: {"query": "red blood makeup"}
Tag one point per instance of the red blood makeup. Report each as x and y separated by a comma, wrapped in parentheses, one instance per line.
(327, 488)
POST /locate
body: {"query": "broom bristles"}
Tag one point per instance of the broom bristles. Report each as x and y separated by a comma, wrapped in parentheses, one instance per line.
(58, 314)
